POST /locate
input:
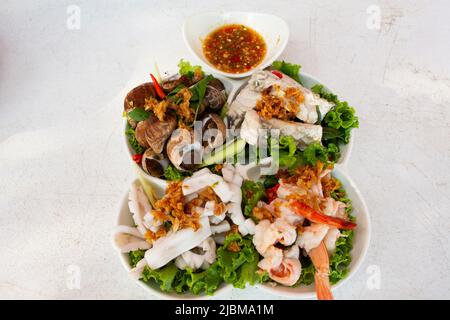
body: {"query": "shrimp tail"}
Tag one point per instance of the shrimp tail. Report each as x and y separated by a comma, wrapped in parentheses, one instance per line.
(321, 262)
(323, 290)
(309, 213)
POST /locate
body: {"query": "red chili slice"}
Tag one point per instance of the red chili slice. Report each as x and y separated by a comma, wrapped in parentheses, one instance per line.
(137, 158)
(277, 73)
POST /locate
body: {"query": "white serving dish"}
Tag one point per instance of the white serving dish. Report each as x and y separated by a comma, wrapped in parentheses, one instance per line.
(361, 242)
(273, 29)
(124, 218)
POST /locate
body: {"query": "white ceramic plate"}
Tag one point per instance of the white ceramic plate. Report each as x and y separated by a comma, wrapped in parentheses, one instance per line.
(273, 29)
(124, 218)
(360, 243)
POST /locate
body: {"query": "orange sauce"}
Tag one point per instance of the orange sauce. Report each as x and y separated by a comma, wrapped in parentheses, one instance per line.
(234, 48)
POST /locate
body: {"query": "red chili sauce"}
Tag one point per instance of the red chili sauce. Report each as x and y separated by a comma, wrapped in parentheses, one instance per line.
(234, 48)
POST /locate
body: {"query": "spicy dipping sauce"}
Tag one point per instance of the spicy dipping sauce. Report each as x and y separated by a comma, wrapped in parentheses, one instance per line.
(234, 48)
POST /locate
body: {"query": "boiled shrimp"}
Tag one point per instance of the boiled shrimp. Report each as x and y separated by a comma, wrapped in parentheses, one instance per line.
(309, 213)
(320, 260)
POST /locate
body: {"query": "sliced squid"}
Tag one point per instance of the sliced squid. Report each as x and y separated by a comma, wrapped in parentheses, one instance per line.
(222, 227)
(247, 227)
(136, 272)
(128, 239)
(171, 246)
(205, 178)
(194, 261)
(139, 206)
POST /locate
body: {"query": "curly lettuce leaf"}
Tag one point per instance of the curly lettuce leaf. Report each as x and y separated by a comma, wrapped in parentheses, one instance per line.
(129, 132)
(207, 281)
(164, 276)
(252, 193)
(186, 69)
(135, 257)
(172, 173)
(289, 69)
(307, 274)
(339, 121)
(239, 268)
(340, 260)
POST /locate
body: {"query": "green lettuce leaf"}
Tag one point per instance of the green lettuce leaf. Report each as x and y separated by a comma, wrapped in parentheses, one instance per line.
(289, 69)
(252, 192)
(239, 268)
(129, 132)
(135, 257)
(339, 121)
(172, 173)
(340, 260)
(186, 69)
(164, 276)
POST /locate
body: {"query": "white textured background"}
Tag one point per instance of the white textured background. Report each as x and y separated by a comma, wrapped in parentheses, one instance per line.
(63, 167)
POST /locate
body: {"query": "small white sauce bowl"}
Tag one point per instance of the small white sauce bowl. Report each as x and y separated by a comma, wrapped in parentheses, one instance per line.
(361, 240)
(273, 29)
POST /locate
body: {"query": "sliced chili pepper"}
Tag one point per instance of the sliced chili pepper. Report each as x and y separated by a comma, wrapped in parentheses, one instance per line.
(137, 158)
(271, 193)
(158, 89)
(277, 73)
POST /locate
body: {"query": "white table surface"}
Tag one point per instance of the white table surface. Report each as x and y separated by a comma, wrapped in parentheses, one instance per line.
(63, 168)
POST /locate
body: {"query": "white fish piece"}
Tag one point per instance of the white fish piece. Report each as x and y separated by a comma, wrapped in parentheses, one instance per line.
(222, 227)
(308, 110)
(250, 128)
(139, 205)
(235, 213)
(312, 236)
(250, 94)
(136, 272)
(128, 239)
(205, 178)
(303, 133)
(171, 246)
(330, 239)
